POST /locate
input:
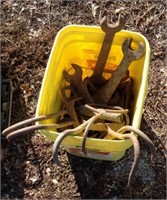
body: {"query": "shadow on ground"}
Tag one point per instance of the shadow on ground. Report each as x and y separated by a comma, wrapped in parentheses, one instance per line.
(97, 179)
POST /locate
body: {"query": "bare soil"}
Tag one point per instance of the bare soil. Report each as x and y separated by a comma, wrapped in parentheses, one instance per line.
(28, 30)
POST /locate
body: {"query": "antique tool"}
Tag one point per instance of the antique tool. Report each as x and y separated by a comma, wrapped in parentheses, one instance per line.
(29, 129)
(90, 111)
(76, 80)
(120, 135)
(142, 135)
(115, 99)
(110, 114)
(105, 93)
(123, 94)
(106, 115)
(32, 120)
(17, 129)
(86, 132)
(68, 132)
(136, 150)
(98, 114)
(110, 31)
(69, 104)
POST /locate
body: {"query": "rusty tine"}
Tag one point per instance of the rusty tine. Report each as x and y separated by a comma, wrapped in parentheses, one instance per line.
(110, 30)
(130, 55)
(143, 136)
(66, 133)
(76, 80)
(136, 151)
(23, 131)
(69, 103)
(32, 120)
(85, 134)
(121, 134)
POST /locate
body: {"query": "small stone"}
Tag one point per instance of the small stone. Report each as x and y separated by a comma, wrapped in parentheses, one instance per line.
(55, 181)
(34, 179)
(162, 70)
(48, 170)
(119, 10)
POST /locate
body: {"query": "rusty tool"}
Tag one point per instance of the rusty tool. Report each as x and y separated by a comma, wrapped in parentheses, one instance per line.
(98, 114)
(17, 129)
(86, 133)
(123, 94)
(143, 136)
(68, 132)
(136, 150)
(110, 30)
(121, 134)
(76, 80)
(126, 92)
(29, 129)
(32, 120)
(115, 99)
(106, 92)
(106, 114)
(111, 115)
(70, 104)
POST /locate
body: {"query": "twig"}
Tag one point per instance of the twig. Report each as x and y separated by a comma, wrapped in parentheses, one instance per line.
(8, 40)
(149, 9)
(49, 13)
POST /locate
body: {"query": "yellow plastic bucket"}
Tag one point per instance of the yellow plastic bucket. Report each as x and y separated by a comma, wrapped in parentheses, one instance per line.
(81, 45)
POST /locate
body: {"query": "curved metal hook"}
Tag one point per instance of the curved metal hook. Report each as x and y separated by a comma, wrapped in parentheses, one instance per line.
(94, 118)
(141, 134)
(136, 151)
(63, 135)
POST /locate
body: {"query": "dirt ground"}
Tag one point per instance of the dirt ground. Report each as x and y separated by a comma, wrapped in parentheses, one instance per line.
(28, 29)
